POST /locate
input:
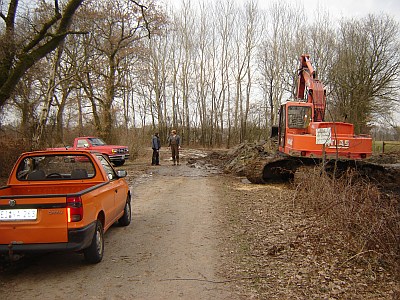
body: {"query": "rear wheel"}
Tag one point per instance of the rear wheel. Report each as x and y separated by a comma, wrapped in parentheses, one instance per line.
(125, 220)
(94, 253)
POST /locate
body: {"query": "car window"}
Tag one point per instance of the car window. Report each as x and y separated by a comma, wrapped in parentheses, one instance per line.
(97, 142)
(107, 167)
(55, 167)
(82, 143)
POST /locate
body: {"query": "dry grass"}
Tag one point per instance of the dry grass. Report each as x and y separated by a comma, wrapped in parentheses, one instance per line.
(10, 151)
(354, 214)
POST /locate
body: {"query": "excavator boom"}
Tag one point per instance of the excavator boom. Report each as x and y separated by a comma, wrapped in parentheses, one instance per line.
(309, 88)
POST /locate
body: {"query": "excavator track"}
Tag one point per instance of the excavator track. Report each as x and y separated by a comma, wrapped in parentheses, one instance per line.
(282, 168)
(254, 171)
(272, 169)
(386, 177)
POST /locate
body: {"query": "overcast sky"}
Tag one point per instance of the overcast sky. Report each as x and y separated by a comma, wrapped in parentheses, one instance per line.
(354, 8)
(336, 8)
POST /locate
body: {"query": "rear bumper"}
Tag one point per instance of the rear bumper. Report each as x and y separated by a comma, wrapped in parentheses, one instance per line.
(78, 239)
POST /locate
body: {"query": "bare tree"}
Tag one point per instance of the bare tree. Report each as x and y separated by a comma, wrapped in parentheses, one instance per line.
(186, 43)
(226, 15)
(277, 53)
(50, 94)
(158, 74)
(202, 85)
(245, 40)
(114, 28)
(28, 98)
(366, 72)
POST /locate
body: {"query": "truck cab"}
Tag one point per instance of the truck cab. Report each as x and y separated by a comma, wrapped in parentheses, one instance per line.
(116, 154)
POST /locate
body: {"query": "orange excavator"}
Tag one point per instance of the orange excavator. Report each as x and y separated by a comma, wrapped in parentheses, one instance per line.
(304, 138)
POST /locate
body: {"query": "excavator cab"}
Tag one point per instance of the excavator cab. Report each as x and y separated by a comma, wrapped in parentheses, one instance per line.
(294, 118)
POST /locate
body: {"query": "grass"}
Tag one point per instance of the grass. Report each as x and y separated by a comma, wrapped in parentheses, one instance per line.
(386, 147)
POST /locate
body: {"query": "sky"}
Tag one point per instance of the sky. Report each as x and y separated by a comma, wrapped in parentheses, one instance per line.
(337, 8)
(354, 8)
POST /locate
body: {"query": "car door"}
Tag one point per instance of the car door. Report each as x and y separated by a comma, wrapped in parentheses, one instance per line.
(116, 191)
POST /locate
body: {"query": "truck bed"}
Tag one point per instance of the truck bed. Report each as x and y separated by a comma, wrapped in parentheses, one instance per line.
(37, 189)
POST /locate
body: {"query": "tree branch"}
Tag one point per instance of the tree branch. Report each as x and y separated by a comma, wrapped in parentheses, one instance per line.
(29, 58)
(142, 9)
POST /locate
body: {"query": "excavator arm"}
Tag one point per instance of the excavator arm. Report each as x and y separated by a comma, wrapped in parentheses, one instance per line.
(311, 89)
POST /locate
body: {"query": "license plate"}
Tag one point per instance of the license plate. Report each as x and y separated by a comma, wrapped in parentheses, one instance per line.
(18, 214)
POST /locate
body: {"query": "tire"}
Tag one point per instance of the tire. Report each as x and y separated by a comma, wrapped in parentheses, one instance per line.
(118, 163)
(125, 220)
(94, 253)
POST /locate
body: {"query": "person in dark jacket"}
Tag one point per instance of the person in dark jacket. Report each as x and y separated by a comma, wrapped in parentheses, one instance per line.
(174, 142)
(156, 145)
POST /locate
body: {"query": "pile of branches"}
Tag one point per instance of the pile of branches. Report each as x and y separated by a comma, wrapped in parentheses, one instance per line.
(234, 160)
(241, 155)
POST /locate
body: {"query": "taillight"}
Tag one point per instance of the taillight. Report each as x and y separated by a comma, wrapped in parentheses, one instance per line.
(74, 209)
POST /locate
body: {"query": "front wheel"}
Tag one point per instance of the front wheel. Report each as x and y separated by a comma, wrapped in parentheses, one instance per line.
(125, 220)
(118, 163)
(94, 253)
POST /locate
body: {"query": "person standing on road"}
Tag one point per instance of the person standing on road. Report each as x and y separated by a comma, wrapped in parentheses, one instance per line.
(174, 141)
(156, 145)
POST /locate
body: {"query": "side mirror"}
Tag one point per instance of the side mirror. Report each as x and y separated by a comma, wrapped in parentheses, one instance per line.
(121, 173)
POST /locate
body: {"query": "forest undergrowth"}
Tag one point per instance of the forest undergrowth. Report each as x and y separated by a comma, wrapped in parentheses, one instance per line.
(355, 214)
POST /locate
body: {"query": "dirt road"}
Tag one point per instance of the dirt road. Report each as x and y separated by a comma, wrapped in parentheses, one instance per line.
(176, 236)
(168, 252)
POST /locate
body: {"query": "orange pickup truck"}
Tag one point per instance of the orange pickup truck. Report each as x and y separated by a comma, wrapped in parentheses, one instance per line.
(62, 200)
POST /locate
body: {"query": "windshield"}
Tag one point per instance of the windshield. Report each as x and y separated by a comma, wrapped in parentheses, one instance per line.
(97, 142)
(55, 167)
(299, 116)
